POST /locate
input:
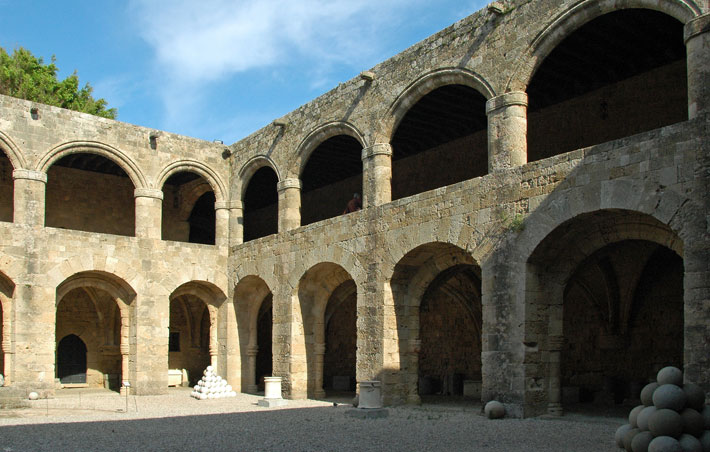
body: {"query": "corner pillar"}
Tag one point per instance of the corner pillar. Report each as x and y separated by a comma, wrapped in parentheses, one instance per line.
(507, 131)
(29, 198)
(289, 204)
(377, 175)
(236, 223)
(149, 213)
(222, 223)
(697, 45)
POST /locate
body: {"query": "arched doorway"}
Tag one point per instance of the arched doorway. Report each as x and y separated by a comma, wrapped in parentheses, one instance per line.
(261, 205)
(7, 190)
(71, 360)
(604, 310)
(188, 213)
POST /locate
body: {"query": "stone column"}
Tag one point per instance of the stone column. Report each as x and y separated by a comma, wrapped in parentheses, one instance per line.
(507, 131)
(252, 351)
(376, 175)
(221, 227)
(7, 348)
(214, 345)
(149, 213)
(124, 348)
(29, 197)
(697, 46)
(415, 346)
(555, 344)
(318, 357)
(289, 204)
(236, 223)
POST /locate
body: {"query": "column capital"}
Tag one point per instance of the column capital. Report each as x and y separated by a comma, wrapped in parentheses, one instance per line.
(506, 100)
(252, 350)
(39, 176)
(233, 204)
(148, 193)
(696, 26)
(288, 183)
(376, 149)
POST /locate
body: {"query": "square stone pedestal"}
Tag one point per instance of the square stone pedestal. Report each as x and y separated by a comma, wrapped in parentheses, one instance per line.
(270, 403)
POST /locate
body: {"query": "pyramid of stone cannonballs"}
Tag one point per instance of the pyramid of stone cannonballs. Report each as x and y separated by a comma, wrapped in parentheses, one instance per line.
(212, 386)
(673, 417)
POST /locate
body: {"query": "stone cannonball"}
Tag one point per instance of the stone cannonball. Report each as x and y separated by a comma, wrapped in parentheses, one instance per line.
(669, 396)
(644, 416)
(666, 422)
(670, 376)
(664, 444)
(629, 437)
(494, 410)
(705, 440)
(693, 422)
(633, 415)
(33, 396)
(695, 397)
(647, 393)
(641, 441)
(706, 416)
(689, 443)
(620, 433)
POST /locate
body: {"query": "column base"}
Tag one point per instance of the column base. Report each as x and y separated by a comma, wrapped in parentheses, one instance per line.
(319, 394)
(555, 409)
(414, 399)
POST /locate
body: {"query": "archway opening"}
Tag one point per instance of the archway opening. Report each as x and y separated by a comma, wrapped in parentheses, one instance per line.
(91, 319)
(71, 360)
(89, 192)
(188, 209)
(620, 74)
(440, 141)
(436, 292)
(264, 360)
(339, 362)
(188, 350)
(604, 312)
(330, 178)
(261, 205)
(623, 322)
(326, 293)
(7, 192)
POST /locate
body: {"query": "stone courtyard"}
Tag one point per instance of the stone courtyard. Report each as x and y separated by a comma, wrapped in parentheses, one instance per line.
(534, 226)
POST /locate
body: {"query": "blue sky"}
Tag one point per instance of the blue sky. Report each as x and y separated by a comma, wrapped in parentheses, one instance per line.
(219, 69)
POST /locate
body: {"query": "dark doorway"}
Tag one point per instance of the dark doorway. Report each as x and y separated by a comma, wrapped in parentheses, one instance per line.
(71, 360)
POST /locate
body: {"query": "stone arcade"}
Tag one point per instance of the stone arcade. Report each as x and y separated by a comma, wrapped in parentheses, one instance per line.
(534, 226)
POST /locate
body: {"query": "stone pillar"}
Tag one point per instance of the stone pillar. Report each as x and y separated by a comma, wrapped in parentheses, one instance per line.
(415, 346)
(289, 204)
(554, 406)
(697, 46)
(376, 175)
(252, 351)
(149, 213)
(507, 131)
(221, 227)
(29, 197)
(236, 223)
(318, 357)
(214, 344)
(124, 348)
(7, 348)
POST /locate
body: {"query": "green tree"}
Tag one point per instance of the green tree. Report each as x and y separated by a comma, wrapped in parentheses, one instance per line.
(27, 77)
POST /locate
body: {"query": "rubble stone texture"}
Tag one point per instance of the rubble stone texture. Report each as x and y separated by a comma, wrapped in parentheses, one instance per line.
(558, 215)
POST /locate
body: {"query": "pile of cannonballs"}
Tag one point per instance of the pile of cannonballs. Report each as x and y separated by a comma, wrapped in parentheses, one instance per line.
(212, 386)
(673, 417)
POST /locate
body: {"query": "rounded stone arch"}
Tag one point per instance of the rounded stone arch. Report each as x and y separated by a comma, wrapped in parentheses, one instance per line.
(12, 151)
(248, 169)
(188, 165)
(93, 147)
(335, 255)
(122, 273)
(204, 290)
(423, 86)
(249, 294)
(110, 283)
(571, 19)
(316, 137)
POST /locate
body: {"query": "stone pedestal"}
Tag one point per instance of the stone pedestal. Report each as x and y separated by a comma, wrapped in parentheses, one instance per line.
(370, 395)
(697, 45)
(507, 131)
(377, 175)
(272, 393)
(289, 204)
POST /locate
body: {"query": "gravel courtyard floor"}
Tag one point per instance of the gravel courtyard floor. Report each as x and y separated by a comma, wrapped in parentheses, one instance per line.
(94, 420)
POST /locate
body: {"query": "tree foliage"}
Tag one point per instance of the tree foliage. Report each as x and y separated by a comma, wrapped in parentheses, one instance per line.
(27, 77)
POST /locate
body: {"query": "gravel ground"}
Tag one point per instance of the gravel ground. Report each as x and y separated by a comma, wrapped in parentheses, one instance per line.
(80, 420)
